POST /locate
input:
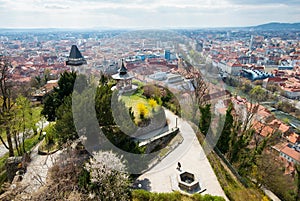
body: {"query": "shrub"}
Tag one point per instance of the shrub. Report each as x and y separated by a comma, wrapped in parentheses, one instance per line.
(143, 111)
(152, 103)
(50, 134)
(141, 195)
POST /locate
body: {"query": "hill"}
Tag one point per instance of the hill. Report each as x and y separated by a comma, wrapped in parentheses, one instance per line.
(277, 26)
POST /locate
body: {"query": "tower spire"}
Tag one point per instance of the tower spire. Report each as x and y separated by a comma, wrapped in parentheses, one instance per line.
(75, 57)
(123, 69)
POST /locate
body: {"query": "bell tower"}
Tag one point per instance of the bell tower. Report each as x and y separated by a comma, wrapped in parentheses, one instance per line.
(76, 61)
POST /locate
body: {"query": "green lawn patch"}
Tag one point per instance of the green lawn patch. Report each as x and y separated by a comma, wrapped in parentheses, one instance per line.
(31, 142)
(45, 148)
(133, 101)
(233, 189)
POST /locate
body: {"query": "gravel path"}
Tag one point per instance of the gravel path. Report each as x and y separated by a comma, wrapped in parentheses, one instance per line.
(37, 170)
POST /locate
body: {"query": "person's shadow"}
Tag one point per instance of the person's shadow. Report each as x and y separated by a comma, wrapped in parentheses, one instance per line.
(144, 184)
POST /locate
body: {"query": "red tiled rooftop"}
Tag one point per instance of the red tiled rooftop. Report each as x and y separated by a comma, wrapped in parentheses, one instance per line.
(262, 129)
(275, 79)
(279, 125)
(291, 153)
(293, 138)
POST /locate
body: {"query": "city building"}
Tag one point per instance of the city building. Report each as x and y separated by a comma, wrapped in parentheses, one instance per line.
(158, 76)
(255, 74)
(290, 153)
(168, 55)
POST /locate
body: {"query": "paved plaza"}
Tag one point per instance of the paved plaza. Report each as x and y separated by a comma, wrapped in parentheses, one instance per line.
(192, 158)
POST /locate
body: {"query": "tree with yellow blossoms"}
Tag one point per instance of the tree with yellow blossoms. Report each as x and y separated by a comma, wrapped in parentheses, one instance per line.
(142, 110)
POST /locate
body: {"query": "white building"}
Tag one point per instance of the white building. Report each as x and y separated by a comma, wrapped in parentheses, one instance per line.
(173, 78)
(290, 154)
(291, 92)
(158, 76)
(232, 67)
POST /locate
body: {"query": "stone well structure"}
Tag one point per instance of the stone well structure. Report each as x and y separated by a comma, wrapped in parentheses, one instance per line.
(187, 182)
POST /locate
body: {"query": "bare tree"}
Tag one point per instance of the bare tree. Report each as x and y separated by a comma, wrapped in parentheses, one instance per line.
(6, 103)
(199, 85)
(257, 95)
(197, 89)
(251, 110)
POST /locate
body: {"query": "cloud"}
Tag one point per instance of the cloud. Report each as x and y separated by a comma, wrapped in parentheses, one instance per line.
(262, 2)
(2, 3)
(142, 13)
(56, 7)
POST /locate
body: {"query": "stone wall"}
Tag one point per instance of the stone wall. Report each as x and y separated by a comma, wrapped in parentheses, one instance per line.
(12, 164)
(161, 141)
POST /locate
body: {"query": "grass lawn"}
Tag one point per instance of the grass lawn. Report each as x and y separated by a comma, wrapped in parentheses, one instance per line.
(48, 148)
(3, 175)
(31, 142)
(36, 114)
(138, 83)
(133, 101)
(233, 189)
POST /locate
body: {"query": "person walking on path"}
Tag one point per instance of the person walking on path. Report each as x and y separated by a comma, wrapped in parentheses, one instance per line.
(179, 166)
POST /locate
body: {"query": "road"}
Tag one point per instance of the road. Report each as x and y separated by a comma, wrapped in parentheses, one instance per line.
(40, 125)
(192, 158)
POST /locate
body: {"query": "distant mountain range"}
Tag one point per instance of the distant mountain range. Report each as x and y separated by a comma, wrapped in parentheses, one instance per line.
(277, 26)
(268, 27)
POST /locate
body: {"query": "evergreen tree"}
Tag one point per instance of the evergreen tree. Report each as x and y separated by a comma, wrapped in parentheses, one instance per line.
(53, 100)
(103, 104)
(223, 142)
(205, 118)
(64, 126)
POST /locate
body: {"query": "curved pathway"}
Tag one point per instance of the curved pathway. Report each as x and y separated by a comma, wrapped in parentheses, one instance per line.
(192, 158)
(37, 170)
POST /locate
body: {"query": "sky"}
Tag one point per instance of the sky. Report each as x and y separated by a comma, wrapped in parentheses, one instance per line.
(145, 13)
